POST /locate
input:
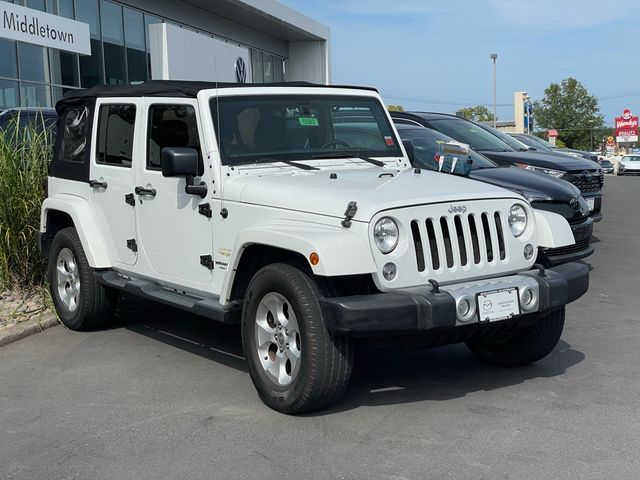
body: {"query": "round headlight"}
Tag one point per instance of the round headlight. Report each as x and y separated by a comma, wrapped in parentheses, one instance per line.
(385, 234)
(517, 220)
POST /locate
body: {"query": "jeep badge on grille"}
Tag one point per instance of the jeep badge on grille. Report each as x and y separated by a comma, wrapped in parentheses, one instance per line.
(457, 209)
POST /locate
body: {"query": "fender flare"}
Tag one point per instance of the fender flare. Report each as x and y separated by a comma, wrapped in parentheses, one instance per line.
(85, 224)
(341, 251)
(552, 230)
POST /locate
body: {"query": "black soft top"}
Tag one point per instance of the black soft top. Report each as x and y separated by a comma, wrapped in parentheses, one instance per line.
(171, 88)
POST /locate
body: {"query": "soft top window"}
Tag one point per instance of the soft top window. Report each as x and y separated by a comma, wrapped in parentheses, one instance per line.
(74, 135)
(268, 128)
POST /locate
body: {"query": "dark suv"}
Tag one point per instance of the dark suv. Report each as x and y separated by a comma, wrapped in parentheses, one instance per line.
(542, 191)
(584, 174)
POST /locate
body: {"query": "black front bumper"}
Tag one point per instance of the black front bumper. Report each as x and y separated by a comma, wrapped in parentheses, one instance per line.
(396, 313)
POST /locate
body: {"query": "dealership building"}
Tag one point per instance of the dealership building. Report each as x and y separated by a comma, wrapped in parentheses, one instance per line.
(50, 46)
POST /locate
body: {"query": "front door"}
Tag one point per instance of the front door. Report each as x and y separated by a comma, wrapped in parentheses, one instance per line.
(113, 160)
(174, 235)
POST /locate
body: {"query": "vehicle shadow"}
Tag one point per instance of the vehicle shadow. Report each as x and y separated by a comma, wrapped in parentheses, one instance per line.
(388, 377)
(381, 375)
(200, 336)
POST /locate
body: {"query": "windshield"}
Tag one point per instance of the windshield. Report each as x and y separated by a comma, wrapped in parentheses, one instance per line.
(470, 133)
(514, 143)
(535, 142)
(606, 163)
(428, 143)
(268, 128)
(631, 159)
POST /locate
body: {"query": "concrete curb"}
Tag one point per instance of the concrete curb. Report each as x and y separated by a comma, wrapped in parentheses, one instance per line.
(28, 328)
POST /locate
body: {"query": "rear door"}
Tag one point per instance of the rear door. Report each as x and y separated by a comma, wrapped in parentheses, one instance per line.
(112, 175)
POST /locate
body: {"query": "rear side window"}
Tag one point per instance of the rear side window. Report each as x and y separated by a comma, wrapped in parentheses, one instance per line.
(171, 126)
(74, 135)
(116, 125)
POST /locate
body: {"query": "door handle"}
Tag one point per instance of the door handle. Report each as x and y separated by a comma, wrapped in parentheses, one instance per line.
(150, 192)
(97, 184)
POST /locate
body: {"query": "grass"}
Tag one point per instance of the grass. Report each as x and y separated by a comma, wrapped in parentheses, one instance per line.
(24, 160)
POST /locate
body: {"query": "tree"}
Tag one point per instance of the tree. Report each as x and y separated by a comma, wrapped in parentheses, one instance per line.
(570, 109)
(395, 108)
(479, 113)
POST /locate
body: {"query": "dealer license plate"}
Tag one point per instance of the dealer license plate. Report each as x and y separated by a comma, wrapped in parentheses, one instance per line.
(496, 305)
(591, 203)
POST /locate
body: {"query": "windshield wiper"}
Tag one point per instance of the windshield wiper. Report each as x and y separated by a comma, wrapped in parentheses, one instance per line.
(301, 166)
(372, 161)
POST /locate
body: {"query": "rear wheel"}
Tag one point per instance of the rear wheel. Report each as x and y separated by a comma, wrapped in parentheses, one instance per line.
(80, 301)
(296, 365)
(524, 346)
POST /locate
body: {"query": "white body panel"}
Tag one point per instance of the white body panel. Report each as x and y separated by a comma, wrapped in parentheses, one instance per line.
(553, 230)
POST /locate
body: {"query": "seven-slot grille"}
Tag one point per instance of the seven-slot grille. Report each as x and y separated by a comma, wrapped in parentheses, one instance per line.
(459, 240)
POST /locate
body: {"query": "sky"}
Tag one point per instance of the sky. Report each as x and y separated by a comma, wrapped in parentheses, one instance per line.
(434, 55)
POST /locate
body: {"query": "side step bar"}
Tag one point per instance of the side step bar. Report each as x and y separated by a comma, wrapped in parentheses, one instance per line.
(207, 307)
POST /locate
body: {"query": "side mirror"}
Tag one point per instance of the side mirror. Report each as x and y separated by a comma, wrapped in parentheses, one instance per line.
(179, 162)
(411, 151)
(183, 162)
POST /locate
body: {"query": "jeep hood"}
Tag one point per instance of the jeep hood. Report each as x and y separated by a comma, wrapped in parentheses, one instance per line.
(374, 190)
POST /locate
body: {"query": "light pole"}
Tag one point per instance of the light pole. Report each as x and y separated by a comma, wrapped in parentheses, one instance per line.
(591, 128)
(494, 57)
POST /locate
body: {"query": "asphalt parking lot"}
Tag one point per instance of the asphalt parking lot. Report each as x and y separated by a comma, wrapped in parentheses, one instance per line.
(167, 395)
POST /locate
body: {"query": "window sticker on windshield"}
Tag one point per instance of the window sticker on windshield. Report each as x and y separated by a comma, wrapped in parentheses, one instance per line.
(308, 121)
(389, 141)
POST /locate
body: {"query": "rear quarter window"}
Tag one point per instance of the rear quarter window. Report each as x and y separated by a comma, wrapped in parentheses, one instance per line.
(75, 126)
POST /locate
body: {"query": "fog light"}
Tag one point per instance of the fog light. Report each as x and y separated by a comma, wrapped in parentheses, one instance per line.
(466, 309)
(528, 298)
(389, 271)
(528, 251)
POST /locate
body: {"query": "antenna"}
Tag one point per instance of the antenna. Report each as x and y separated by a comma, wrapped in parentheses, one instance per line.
(219, 126)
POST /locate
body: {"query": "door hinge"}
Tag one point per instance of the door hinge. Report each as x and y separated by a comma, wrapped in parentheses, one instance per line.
(132, 245)
(205, 209)
(206, 261)
(130, 199)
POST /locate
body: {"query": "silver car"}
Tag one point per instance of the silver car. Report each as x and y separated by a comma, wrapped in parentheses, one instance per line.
(629, 164)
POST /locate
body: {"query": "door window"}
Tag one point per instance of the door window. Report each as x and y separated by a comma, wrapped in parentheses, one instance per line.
(116, 124)
(172, 126)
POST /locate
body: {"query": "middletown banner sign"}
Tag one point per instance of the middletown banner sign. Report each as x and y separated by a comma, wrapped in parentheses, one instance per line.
(39, 28)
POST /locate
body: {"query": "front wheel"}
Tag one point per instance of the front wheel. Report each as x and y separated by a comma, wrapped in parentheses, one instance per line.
(524, 346)
(81, 302)
(296, 365)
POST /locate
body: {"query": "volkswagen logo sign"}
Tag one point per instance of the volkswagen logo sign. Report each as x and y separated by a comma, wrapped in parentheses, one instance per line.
(457, 209)
(241, 70)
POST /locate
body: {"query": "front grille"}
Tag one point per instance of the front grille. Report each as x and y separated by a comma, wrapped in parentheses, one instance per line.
(457, 241)
(576, 247)
(587, 182)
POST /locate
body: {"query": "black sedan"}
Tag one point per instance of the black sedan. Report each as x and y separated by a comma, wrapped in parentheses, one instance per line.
(542, 191)
(584, 174)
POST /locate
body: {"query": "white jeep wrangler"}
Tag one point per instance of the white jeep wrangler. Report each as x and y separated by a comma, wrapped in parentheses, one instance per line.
(293, 210)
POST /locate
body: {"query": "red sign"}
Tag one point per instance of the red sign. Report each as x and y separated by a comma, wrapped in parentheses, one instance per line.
(627, 127)
(552, 132)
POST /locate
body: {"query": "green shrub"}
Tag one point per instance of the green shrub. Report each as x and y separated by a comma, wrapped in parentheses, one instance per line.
(24, 159)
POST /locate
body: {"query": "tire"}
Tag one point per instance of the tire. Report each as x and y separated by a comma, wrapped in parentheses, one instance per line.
(81, 302)
(524, 346)
(319, 364)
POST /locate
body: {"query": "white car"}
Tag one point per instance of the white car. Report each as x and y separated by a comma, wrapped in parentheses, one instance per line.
(629, 164)
(294, 211)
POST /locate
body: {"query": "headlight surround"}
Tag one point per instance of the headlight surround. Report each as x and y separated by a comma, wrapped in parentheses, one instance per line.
(517, 220)
(386, 234)
(547, 171)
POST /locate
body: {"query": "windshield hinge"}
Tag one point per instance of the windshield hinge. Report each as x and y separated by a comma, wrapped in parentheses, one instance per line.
(132, 245)
(205, 209)
(349, 213)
